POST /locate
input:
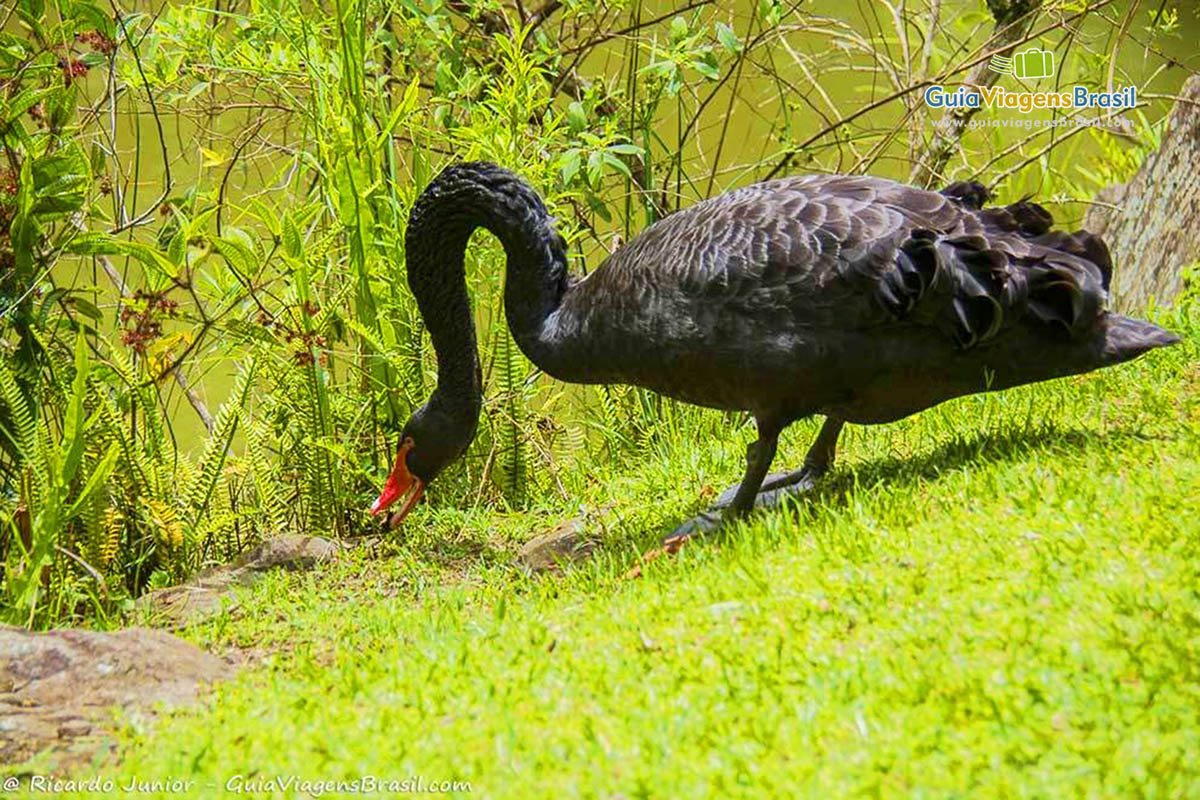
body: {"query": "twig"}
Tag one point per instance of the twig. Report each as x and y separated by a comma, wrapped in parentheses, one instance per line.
(535, 19)
(247, 138)
(598, 40)
(162, 137)
(87, 568)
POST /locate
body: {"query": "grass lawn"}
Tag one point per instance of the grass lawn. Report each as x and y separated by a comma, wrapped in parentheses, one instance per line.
(999, 597)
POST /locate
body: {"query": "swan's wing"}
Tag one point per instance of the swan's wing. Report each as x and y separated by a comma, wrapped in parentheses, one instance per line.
(845, 252)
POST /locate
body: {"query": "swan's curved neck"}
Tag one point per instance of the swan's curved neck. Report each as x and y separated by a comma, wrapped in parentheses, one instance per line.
(462, 198)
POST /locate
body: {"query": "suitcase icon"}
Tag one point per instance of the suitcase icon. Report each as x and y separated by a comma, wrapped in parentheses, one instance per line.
(1033, 63)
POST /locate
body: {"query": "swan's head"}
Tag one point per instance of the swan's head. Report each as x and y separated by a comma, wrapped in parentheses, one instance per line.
(430, 441)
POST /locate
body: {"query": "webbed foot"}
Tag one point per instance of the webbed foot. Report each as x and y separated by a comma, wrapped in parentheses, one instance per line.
(736, 501)
(776, 487)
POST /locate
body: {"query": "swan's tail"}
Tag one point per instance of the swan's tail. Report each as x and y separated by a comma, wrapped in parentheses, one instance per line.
(1125, 339)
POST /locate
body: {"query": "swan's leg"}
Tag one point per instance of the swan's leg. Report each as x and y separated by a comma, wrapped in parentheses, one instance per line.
(759, 456)
(758, 460)
(771, 489)
(754, 491)
(779, 485)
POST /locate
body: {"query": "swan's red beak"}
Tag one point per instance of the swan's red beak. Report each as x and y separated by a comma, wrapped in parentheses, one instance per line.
(400, 483)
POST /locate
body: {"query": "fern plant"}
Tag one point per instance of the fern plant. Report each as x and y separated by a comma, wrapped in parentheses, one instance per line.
(199, 494)
(57, 491)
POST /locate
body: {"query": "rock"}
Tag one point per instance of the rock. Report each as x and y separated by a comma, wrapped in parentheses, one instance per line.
(212, 591)
(58, 689)
(568, 543)
(290, 552)
(204, 596)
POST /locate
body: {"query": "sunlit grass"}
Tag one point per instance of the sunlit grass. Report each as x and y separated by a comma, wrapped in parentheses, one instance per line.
(997, 598)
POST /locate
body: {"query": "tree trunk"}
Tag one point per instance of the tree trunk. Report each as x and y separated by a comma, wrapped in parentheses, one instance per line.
(1152, 223)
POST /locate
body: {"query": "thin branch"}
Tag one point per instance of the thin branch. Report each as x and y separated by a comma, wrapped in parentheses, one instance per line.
(162, 136)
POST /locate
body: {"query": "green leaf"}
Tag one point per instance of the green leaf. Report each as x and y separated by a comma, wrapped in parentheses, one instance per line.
(86, 308)
(572, 161)
(597, 205)
(101, 244)
(728, 39)
(576, 117)
(23, 230)
(11, 110)
(61, 180)
(679, 30)
(95, 480)
(73, 438)
(14, 49)
(241, 236)
(769, 12)
(290, 234)
(200, 88)
(250, 330)
(617, 164)
(708, 66)
(595, 167)
(971, 19)
(60, 108)
(88, 244)
(177, 249)
(32, 12)
(49, 301)
(98, 158)
(406, 106)
(266, 214)
(239, 256)
(87, 15)
(26, 187)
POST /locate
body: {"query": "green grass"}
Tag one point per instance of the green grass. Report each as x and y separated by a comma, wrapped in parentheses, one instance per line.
(997, 598)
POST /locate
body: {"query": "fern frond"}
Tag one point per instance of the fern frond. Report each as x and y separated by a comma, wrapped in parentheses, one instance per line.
(135, 472)
(200, 492)
(266, 481)
(167, 527)
(113, 529)
(90, 532)
(22, 425)
(314, 460)
(513, 458)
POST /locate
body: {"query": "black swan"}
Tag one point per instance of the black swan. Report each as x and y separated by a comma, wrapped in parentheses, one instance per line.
(854, 297)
